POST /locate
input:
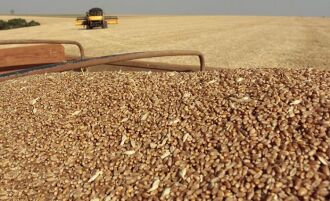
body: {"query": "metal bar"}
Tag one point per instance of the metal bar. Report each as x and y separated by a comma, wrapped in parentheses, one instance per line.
(72, 65)
(116, 67)
(150, 65)
(67, 42)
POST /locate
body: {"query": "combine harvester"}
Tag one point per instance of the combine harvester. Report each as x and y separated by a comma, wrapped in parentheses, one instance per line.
(95, 18)
(48, 56)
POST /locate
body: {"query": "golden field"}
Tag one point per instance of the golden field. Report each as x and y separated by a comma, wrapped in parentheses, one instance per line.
(226, 41)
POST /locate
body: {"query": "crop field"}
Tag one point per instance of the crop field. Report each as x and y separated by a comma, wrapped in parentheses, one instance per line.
(226, 41)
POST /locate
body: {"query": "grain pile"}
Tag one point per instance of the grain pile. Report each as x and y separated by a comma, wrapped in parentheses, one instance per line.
(233, 135)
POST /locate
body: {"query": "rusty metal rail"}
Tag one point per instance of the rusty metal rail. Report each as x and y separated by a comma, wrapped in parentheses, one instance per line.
(137, 65)
(65, 42)
(112, 59)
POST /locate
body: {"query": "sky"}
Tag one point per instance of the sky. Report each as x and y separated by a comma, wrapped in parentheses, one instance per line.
(169, 7)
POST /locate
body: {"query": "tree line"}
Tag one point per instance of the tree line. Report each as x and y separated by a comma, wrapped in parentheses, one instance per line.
(17, 23)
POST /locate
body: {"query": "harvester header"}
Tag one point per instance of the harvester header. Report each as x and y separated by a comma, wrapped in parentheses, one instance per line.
(95, 18)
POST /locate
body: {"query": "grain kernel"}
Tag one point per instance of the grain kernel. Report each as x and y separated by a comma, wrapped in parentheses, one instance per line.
(95, 176)
(154, 186)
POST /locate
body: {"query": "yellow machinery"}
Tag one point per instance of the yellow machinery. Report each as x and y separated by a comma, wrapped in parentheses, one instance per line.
(95, 18)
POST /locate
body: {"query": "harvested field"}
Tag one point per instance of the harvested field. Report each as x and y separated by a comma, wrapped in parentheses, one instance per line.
(226, 41)
(233, 134)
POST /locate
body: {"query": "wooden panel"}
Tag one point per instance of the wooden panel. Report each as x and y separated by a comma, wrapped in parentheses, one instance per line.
(37, 54)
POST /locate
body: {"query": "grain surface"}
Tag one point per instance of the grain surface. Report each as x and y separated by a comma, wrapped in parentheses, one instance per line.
(227, 135)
